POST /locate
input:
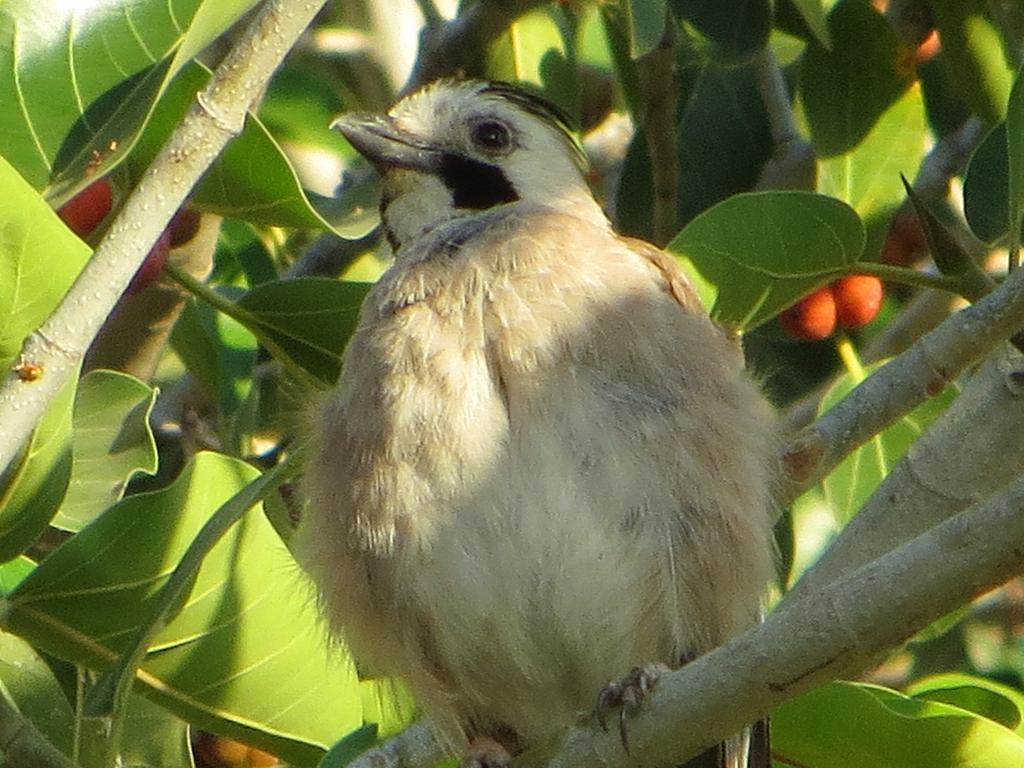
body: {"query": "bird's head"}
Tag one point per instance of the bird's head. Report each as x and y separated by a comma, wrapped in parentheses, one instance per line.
(458, 148)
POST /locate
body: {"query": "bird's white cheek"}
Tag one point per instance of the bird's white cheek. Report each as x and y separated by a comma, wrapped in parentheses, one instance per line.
(411, 202)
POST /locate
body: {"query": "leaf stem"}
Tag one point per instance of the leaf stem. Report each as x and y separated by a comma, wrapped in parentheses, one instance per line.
(894, 274)
(848, 354)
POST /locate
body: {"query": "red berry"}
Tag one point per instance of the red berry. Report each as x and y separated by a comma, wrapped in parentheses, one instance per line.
(904, 241)
(929, 48)
(83, 212)
(260, 759)
(183, 226)
(153, 265)
(857, 299)
(813, 317)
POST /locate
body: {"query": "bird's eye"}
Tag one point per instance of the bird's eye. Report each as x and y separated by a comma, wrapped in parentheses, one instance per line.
(492, 136)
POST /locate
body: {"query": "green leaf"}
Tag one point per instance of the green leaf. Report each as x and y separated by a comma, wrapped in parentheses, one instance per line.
(152, 738)
(27, 681)
(39, 259)
(723, 140)
(13, 572)
(32, 487)
(814, 17)
(647, 25)
(988, 698)
(846, 90)
(251, 180)
(308, 320)
(867, 177)
(735, 29)
(850, 484)
(245, 656)
(387, 704)
(57, 58)
(850, 725)
(350, 747)
(763, 251)
(987, 187)
(111, 441)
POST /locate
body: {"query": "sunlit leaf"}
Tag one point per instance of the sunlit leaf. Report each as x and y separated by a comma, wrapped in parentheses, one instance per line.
(244, 656)
(763, 251)
(850, 725)
(111, 441)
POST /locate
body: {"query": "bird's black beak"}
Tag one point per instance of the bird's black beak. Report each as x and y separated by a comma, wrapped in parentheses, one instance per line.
(380, 141)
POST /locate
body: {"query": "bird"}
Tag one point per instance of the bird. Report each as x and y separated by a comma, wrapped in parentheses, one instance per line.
(544, 473)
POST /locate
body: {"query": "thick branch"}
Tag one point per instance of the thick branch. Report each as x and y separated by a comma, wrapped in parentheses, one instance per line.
(415, 747)
(216, 117)
(836, 632)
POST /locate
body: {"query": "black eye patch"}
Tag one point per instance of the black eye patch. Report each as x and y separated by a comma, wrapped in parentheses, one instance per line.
(474, 184)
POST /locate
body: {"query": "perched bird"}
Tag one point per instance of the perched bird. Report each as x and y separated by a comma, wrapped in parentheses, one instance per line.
(543, 464)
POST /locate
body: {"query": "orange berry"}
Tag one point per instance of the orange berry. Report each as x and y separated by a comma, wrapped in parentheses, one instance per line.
(857, 299)
(228, 752)
(905, 240)
(929, 48)
(813, 317)
(83, 212)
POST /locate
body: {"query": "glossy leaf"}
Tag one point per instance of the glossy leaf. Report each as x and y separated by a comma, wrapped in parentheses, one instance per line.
(850, 725)
(309, 320)
(39, 259)
(245, 655)
(32, 488)
(987, 187)
(847, 89)
(57, 58)
(988, 698)
(735, 29)
(251, 180)
(763, 251)
(814, 17)
(27, 681)
(722, 137)
(867, 177)
(111, 441)
(852, 482)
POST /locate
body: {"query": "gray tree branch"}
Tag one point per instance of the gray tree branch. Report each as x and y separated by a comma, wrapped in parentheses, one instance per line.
(216, 117)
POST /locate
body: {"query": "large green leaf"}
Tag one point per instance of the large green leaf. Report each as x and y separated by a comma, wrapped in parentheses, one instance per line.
(111, 441)
(245, 655)
(846, 89)
(851, 483)
(995, 701)
(307, 320)
(251, 180)
(1015, 156)
(33, 486)
(814, 18)
(57, 58)
(763, 251)
(867, 176)
(987, 187)
(850, 725)
(27, 681)
(39, 259)
(722, 139)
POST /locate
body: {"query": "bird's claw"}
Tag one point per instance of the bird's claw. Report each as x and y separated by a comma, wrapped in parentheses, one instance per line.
(628, 695)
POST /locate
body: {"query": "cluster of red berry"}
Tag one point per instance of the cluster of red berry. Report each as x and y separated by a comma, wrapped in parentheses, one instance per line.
(849, 302)
(84, 212)
(221, 752)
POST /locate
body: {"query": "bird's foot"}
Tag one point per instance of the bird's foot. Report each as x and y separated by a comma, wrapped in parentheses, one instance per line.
(485, 752)
(628, 696)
